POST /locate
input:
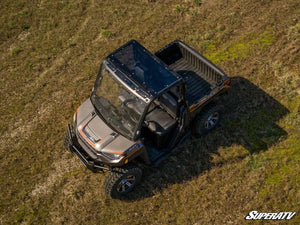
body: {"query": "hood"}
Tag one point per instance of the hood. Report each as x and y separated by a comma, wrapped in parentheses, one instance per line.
(97, 133)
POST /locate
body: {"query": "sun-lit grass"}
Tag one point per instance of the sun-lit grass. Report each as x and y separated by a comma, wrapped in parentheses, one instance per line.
(240, 49)
(50, 55)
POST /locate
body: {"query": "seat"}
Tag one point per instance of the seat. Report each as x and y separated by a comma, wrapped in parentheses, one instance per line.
(169, 103)
(160, 122)
(161, 125)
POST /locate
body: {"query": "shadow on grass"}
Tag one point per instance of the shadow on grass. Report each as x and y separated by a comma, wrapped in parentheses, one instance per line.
(249, 119)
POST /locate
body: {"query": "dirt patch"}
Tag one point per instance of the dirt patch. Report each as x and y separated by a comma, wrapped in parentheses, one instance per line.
(58, 170)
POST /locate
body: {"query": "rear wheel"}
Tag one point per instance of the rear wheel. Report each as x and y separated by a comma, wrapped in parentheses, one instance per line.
(208, 120)
(121, 181)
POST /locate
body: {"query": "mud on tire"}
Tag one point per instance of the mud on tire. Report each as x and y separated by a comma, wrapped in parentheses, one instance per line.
(121, 181)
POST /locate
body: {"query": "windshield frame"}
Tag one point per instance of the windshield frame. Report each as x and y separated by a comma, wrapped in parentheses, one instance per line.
(136, 132)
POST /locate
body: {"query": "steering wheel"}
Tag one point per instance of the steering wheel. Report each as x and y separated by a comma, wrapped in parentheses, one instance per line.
(127, 101)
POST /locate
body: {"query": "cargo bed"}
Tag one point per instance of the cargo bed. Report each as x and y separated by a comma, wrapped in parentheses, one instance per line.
(200, 75)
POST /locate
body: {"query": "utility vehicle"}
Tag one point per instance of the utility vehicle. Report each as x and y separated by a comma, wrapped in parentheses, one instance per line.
(141, 108)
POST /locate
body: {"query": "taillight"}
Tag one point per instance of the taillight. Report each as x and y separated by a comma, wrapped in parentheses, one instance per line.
(227, 82)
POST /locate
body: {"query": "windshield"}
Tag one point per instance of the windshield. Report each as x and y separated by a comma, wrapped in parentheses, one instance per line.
(118, 106)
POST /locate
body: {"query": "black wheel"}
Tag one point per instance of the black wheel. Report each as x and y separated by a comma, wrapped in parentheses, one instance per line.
(121, 181)
(208, 119)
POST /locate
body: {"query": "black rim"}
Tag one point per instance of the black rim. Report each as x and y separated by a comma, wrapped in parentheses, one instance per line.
(126, 184)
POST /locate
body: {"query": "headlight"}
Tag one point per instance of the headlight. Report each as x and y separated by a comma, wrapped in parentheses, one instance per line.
(75, 116)
(112, 156)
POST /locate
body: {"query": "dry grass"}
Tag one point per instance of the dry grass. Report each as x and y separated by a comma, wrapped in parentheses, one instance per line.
(50, 55)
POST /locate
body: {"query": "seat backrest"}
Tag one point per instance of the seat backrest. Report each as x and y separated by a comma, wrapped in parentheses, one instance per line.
(169, 103)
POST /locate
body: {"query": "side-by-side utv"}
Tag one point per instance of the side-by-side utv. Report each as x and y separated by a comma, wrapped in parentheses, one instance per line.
(141, 108)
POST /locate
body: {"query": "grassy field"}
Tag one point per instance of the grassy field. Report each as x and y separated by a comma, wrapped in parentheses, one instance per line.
(50, 52)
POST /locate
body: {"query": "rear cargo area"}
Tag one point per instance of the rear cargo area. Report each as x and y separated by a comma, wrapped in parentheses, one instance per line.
(197, 86)
(199, 74)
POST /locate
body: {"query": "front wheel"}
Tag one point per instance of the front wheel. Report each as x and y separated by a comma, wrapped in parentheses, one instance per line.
(208, 120)
(121, 181)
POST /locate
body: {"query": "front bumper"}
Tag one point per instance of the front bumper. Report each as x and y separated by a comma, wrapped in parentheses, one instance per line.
(87, 161)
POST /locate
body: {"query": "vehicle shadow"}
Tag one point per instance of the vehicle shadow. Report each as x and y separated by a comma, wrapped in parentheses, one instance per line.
(249, 120)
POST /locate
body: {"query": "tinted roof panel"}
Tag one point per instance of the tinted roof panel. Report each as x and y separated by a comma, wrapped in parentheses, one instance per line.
(141, 67)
